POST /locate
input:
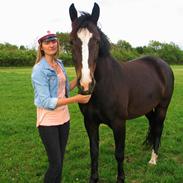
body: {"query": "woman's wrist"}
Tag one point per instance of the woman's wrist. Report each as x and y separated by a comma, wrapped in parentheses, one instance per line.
(65, 101)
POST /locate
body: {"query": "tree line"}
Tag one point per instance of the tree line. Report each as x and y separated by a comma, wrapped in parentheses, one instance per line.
(12, 55)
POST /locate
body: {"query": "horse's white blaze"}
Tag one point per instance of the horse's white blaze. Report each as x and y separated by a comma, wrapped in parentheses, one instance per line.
(154, 158)
(84, 35)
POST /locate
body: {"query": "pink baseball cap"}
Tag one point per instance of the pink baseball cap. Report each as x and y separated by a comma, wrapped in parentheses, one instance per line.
(47, 36)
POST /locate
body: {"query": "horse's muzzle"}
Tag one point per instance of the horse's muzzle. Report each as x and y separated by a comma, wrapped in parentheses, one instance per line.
(90, 88)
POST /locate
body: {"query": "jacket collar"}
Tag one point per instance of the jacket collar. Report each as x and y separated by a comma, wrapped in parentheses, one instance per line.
(44, 63)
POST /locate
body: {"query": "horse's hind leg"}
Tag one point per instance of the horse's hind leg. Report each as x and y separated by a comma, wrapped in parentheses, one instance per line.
(156, 119)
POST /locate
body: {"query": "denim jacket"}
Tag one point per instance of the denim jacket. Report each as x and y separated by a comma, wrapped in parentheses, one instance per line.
(45, 84)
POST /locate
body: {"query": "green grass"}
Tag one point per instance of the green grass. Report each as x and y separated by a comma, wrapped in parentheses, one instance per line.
(22, 155)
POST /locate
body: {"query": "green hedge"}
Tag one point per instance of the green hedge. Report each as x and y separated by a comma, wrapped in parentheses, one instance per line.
(19, 58)
(12, 56)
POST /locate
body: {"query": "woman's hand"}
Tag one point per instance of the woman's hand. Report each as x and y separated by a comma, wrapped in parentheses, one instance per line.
(83, 99)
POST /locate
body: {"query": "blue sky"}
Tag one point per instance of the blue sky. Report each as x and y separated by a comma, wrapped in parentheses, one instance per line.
(136, 21)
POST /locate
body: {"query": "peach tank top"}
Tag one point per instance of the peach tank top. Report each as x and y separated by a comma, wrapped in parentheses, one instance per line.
(59, 115)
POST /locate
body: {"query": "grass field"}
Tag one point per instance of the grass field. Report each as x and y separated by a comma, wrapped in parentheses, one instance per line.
(22, 155)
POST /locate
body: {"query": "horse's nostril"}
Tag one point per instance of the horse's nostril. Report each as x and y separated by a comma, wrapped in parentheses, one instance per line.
(82, 88)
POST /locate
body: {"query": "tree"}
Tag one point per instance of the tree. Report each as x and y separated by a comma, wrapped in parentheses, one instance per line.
(22, 47)
(124, 45)
(64, 40)
(140, 49)
(170, 52)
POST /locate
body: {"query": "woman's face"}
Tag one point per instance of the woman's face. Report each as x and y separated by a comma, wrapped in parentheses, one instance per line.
(50, 47)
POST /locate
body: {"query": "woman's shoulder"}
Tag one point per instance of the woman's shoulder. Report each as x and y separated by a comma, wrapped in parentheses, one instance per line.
(38, 69)
(40, 65)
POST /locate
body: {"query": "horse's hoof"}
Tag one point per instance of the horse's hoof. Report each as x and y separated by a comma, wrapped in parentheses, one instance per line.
(120, 180)
(154, 158)
(93, 180)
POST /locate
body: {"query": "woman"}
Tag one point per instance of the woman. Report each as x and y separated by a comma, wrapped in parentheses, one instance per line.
(51, 96)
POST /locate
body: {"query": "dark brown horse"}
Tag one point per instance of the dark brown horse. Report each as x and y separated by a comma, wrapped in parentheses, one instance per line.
(119, 91)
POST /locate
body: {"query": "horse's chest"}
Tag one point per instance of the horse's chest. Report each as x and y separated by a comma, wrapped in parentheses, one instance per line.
(103, 111)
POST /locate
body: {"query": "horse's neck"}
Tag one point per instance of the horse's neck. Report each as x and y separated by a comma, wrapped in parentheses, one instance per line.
(105, 67)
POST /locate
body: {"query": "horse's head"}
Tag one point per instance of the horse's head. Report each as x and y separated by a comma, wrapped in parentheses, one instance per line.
(85, 39)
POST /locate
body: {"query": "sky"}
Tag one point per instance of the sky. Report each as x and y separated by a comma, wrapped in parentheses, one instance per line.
(135, 21)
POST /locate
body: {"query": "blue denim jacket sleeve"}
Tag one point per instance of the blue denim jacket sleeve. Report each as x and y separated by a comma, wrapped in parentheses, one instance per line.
(42, 96)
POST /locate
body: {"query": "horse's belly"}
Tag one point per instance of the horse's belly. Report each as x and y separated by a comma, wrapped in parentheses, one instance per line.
(142, 108)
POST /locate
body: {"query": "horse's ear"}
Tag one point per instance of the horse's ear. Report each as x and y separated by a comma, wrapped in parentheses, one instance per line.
(73, 12)
(95, 13)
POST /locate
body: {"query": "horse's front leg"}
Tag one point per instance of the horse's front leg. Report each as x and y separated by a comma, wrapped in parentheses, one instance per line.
(93, 134)
(118, 128)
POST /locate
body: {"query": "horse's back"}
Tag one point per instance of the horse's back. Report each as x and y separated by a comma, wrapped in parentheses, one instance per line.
(153, 66)
(163, 70)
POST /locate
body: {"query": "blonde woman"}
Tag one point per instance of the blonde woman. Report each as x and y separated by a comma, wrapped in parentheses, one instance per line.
(51, 97)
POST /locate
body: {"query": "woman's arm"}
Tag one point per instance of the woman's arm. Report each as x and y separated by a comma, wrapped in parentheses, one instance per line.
(73, 84)
(75, 99)
(41, 89)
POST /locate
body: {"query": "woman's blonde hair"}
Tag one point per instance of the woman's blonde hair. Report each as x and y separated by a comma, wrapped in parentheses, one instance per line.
(40, 52)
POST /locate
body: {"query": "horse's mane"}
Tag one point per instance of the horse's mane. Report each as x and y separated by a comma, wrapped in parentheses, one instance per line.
(85, 21)
(104, 44)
